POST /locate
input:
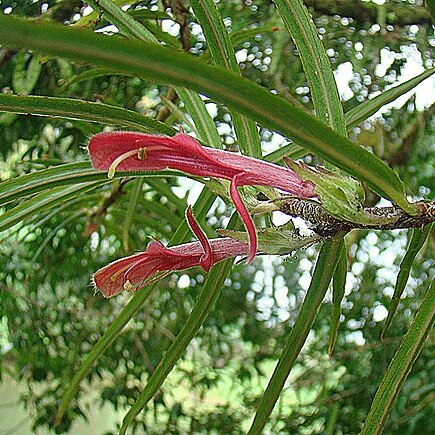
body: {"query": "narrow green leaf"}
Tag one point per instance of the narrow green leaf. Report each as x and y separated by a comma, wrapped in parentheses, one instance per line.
(326, 263)
(135, 194)
(315, 62)
(338, 288)
(204, 124)
(200, 209)
(125, 22)
(160, 185)
(61, 175)
(25, 74)
(89, 75)
(291, 150)
(161, 211)
(361, 112)
(222, 52)
(130, 309)
(55, 196)
(162, 65)
(417, 237)
(69, 108)
(209, 294)
(53, 232)
(241, 36)
(401, 364)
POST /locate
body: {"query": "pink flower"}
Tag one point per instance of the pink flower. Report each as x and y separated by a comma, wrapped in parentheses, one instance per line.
(130, 151)
(131, 273)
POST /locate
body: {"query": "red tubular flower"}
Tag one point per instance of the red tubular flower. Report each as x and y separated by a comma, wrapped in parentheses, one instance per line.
(157, 261)
(130, 151)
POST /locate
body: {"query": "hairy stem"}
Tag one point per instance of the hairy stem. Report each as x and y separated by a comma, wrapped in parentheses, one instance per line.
(327, 225)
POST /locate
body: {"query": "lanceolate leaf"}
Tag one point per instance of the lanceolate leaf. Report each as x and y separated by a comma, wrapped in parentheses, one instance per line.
(364, 110)
(222, 52)
(70, 108)
(45, 200)
(61, 175)
(417, 239)
(325, 266)
(206, 299)
(315, 62)
(203, 123)
(401, 365)
(338, 288)
(105, 340)
(125, 22)
(162, 65)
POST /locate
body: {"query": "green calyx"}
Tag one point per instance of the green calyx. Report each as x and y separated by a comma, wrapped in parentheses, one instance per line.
(281, 240)
(341, 196)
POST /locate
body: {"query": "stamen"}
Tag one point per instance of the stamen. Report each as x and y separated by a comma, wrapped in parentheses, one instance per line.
(139, 153)
(129, 287)
(119, 272)
(142, 153)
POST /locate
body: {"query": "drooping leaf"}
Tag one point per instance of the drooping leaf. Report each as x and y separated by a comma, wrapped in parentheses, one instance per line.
(43, 201)
(338, 288)
(401, 364)
(70, 108)
(364, 110)
(326, 262)
(416, 241)
(315, 62)
(222, 53)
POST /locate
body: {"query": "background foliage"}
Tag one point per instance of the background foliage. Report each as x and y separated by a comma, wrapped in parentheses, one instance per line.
(51, 316)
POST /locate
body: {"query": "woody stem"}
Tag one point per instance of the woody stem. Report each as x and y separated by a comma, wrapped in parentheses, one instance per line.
(327, 225)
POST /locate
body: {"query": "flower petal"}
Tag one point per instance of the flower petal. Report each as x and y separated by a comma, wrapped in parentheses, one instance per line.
(180, 152)
(246, 217)
(110, 278)
(206, 260)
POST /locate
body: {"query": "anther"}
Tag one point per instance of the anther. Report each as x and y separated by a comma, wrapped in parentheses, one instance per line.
(129, 287)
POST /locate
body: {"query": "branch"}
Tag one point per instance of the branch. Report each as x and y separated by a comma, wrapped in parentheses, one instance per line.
(364, 12)
(327, 225)
(401, 156)
(117, 191)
